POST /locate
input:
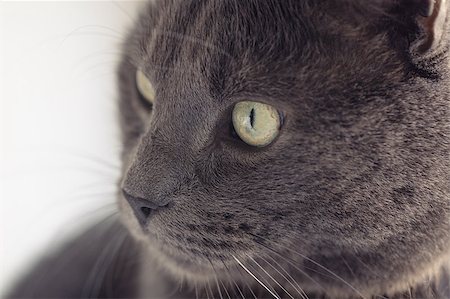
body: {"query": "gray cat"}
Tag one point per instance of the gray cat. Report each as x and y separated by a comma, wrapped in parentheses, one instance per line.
(275, 149)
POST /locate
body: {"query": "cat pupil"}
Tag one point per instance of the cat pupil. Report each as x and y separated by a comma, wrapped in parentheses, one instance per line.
(252, 117)
(146, 211)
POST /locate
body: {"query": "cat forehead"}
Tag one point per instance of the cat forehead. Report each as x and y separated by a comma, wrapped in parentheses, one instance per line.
(221, 28)
(210, 34)
(218, 25)
(265, 46)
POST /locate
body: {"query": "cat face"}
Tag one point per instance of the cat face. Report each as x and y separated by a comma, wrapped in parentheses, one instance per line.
(353, 189)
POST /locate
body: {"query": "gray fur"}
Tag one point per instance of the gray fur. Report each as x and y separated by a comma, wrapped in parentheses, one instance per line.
(352, 199)
(361, 169)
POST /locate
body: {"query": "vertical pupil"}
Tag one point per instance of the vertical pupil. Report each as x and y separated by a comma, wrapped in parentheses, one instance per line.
(252, 117)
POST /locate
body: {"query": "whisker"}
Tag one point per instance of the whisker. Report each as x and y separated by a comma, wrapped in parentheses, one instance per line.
(245, 281)
(291, 262)
(106, 263)
(270, 276)
(78, 65)
(77, 30)
(301, 292)
(62, 261)
(78, 198)
(209, 290)
(99, 197)
(256, 278)
(196, 290)
(88, 70)
(95, 278)
(366, 266)
(93, 33)
(121, 265)
(79, 153)
(122, 10)
(262, 278)
(319, 265)
(225, 289)
(348, 266)
(91, 186)
(97, 75)
(101, 209)
(67, 168)
(230, 276)
(218, 287)
(84, 169)
(215, 277)
(179, 287)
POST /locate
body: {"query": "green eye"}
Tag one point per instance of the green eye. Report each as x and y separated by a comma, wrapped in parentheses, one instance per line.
(145, 87)
(256, 124)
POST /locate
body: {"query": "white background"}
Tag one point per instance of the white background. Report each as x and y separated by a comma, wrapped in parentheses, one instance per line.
(59, 139)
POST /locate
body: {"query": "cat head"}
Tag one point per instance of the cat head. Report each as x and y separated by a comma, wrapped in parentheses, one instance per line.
(314, 134)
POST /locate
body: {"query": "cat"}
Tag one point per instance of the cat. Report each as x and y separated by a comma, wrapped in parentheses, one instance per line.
(275, 149)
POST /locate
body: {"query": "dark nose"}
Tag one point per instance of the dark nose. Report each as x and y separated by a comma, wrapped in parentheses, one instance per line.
(143, 209)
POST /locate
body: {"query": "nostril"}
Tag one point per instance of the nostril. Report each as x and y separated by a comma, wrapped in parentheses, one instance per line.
(142, 208)
(146, 211)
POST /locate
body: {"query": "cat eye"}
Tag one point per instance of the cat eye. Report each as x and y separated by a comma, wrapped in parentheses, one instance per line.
(145, 87)
(257, 124)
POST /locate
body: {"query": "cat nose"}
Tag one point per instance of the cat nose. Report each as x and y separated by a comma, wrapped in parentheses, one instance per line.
(142, 208)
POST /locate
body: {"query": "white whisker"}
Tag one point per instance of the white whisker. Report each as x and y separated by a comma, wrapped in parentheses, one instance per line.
(209, 291)
(262, 277)
(256, 278)
(196, 290)
(225, 289)
(293, 265)
(271, 277)
(245, 281)
(321, 266)
(217, 283)
(234, 282)
(116, 4)
(296, 287)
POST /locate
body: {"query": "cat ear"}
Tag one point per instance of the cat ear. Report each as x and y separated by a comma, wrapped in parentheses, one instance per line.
(429, 15)
(431, 18)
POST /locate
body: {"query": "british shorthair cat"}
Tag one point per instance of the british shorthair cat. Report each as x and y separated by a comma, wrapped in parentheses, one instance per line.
(275, 149)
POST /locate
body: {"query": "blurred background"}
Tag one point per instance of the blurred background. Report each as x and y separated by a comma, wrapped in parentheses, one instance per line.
(59, 137)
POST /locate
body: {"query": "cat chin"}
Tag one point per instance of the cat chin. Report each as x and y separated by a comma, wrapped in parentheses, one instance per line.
(422, 281)
(422, 278)
(416, 282)
(178, 268)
